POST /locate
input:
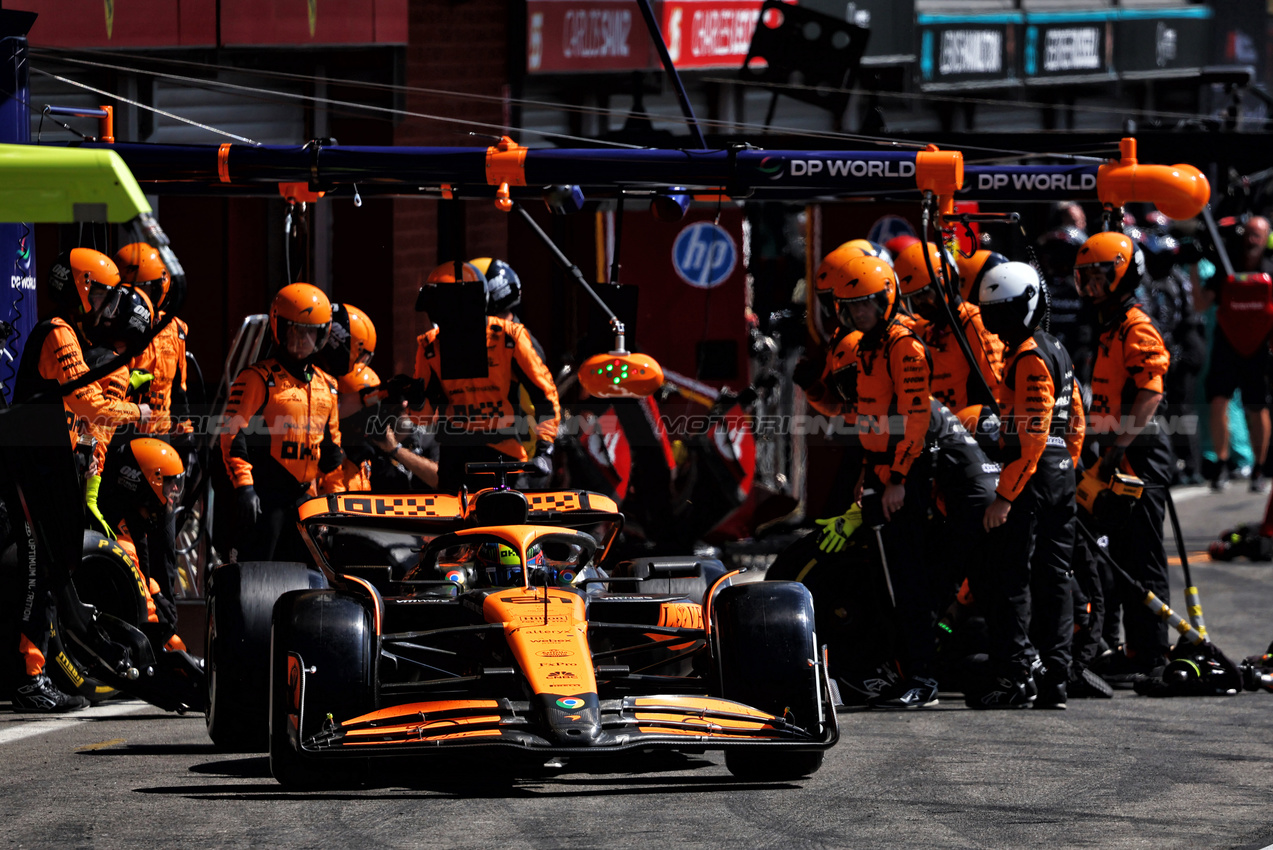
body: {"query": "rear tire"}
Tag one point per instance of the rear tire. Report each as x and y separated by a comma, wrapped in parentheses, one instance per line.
(330, 633)
(240, 602)
(766, 657)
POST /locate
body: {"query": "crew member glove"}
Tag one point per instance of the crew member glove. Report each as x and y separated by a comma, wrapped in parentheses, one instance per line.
(91, 488)
(836, 531)
(1110, 462)
(249, 504)
(403, 387)
(139, 383)
(543, 458)
(166, 610)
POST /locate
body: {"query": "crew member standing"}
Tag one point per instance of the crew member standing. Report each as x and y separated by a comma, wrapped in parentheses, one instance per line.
(1031, 521)
(479, 413)
(954, 382)
(1127, 390)
(281, 430)
(84, 285)
(893, 410)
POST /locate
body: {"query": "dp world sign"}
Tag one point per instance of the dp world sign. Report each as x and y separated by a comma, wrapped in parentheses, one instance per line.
(704, 255)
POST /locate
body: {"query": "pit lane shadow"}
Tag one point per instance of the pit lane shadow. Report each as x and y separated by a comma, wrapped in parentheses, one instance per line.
(660, 773)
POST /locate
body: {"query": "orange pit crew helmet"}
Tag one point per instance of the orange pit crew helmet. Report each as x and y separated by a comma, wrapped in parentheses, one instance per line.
(912, 272)
(871, 249)
(362, 378)
(427, 301)
(351, 343)
(1103, 264)
(82, 280)
(300, 304)
(824, 279)
(973, 269)
(161, 468)
(863, 279)
(140, 265)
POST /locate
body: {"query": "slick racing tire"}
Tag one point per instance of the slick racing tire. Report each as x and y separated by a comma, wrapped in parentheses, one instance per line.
(766, 657)
(107, 579)
(326, 637)
(240, 601)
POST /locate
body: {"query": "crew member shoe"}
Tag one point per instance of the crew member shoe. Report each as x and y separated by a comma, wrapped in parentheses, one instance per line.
(1051, 695)
(40, 694)
(912, 692)
(861, 689)
(1005, 693)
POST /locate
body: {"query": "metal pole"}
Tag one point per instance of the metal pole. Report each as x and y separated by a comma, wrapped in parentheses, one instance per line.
(656, 35)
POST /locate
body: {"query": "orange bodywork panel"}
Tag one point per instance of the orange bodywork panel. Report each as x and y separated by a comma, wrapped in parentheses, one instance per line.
(547, 632)
(699, 704)
(426, 708)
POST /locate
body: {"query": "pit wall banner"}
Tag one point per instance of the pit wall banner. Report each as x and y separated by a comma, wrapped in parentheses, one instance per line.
(577, 36)
(1062, 47)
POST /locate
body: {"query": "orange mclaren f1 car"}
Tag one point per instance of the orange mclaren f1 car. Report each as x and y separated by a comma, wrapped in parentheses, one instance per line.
(494, 622)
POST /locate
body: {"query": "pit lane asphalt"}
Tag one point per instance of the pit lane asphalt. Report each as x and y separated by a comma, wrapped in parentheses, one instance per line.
(1127, 772)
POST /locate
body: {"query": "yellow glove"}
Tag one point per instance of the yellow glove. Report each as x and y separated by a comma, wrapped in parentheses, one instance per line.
(836, 531)
(90, 498)
(139, 384)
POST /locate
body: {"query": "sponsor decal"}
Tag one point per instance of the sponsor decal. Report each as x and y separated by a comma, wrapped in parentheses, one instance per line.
(1075, 49)
(971, 52)
(772, 167)
(704, 255)
(852, 168)
(1037, 182)
(570, 703)
(554, 653)
(562, 674)
(681, 615)
(69, 669)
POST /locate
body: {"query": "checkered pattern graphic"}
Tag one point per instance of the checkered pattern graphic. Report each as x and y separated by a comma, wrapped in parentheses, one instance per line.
(554, 502)
(400, 506)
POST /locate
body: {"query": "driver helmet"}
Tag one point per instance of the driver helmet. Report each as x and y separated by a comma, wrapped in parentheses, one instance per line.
(499, 565)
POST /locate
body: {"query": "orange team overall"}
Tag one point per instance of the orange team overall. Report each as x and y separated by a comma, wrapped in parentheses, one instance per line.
(1030, 524)
(282, 429)
(479, 413)
(164, 359)
(954, 383)
(84, 285)
(893, 410)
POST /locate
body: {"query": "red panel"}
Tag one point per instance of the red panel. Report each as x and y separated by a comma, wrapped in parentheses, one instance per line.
(198, 22)
(297, 22)
(122, 23)
(586, 35)
(391, 22)
(674, 316)
(709, 33)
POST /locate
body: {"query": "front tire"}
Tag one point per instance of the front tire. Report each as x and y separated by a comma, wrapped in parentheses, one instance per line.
(766, 657)
(326, 637)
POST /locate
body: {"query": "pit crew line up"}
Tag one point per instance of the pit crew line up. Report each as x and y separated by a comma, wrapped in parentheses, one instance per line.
(1005, 486)
(960, 496)
(280, 436)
